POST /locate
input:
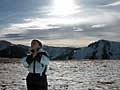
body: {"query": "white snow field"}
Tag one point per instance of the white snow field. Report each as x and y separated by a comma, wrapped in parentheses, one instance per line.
(66, 75)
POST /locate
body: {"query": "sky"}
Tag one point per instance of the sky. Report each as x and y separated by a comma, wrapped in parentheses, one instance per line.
(59, 22)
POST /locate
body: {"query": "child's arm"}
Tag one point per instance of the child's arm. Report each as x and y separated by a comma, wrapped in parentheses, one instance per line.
(44, 62)
(24, 62)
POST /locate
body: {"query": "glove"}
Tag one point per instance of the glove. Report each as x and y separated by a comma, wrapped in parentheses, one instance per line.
(29, 59)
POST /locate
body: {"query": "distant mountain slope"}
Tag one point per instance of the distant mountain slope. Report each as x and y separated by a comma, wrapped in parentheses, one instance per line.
(101, 49)
(4, 44)
(60, 53)
(10, 50)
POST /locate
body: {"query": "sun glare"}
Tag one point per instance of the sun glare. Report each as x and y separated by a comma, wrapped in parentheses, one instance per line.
(63, 7)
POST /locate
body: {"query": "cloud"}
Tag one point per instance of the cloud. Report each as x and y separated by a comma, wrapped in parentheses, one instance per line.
(49, 28)
(93, 3)
(78, 30)
(49, 23)
(98, 26)
(117, 3)
(91, 21)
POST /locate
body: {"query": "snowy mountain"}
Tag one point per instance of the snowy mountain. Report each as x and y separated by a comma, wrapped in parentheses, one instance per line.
(101, 49)
(60, 53)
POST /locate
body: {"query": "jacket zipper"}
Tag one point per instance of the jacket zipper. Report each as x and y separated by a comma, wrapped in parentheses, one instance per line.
(34, 66)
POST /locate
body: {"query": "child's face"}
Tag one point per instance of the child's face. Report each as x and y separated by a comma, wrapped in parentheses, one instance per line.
(35, 45)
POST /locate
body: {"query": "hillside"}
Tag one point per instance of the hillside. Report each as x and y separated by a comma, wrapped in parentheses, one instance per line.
(101, 49)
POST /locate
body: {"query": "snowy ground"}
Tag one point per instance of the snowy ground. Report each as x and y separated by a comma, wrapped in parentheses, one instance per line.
(66, 75)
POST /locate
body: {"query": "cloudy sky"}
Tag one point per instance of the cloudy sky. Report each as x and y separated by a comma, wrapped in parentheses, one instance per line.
(60, 22)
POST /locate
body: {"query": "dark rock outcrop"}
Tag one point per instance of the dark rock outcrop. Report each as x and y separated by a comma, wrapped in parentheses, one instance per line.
(11, 50)
(4, 44)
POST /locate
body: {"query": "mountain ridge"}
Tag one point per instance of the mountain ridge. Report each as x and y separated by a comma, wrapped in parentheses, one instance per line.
(101, 49)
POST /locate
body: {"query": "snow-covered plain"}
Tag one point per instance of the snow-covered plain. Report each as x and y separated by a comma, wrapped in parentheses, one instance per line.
(66, 75)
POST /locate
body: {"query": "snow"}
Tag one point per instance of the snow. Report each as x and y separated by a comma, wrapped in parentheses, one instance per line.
(66, 75)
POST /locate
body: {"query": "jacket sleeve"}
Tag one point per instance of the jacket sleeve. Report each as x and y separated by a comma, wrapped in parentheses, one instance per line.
(23, 61)
(44, 60)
